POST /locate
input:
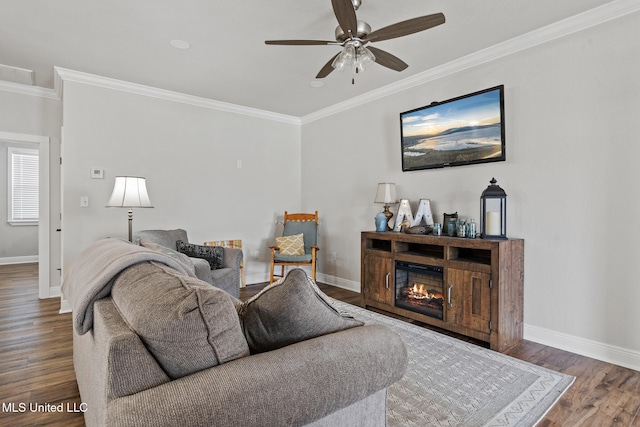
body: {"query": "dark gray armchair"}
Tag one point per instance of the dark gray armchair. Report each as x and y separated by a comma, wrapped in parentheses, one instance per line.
(226, 278)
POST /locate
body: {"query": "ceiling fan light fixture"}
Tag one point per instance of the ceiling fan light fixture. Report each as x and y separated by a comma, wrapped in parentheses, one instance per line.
(364, 58)
(349, 53)
(339, 63)
(346, 58)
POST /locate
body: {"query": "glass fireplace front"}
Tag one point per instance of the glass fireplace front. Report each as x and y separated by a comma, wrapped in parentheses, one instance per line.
(420, 288)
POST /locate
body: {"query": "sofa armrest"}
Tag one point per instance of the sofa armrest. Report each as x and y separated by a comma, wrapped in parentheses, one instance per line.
(293, 385)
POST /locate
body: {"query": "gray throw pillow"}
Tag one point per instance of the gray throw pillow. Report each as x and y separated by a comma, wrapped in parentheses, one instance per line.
(213, 254)
(185, 323)
(288, 311)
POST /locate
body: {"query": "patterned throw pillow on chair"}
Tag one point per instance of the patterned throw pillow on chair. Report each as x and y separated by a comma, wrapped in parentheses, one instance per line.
(291, 245)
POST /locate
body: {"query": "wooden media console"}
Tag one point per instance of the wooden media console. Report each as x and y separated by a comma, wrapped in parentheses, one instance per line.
(473, 287)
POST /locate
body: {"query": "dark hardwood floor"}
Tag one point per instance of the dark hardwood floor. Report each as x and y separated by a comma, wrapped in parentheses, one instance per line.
(36, 365)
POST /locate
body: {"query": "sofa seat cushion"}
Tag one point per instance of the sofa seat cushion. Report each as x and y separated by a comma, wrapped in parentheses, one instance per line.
(185, 323)
(290, 310)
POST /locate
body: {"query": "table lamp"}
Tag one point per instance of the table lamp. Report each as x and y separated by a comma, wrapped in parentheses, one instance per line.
(386, 194)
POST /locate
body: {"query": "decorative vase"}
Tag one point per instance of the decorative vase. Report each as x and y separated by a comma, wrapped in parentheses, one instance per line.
(381, 222)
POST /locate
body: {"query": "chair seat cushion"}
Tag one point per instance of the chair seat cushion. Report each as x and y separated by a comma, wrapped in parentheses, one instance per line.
(291, 310)
(292, 258)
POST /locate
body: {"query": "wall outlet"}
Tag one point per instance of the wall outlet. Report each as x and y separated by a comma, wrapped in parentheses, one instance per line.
(84, 201)
(334, 256)
(256, 254)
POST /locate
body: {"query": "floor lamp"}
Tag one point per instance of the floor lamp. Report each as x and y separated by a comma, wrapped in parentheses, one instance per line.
(129, 192)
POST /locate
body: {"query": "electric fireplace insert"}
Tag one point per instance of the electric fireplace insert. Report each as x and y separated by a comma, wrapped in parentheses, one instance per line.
(420, 288)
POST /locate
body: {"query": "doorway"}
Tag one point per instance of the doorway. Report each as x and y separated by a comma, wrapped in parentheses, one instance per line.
(45, 274)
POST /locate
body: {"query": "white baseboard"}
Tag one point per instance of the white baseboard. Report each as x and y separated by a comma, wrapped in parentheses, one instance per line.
(19, 260)
(584, 347)
(254, 278)
(338, 282)
(65, 307)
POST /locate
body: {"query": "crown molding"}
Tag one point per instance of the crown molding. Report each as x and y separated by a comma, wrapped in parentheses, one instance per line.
(28, 90)
(608, 12)
(63, 74)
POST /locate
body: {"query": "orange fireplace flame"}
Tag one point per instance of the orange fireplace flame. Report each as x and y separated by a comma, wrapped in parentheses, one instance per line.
(419, 291)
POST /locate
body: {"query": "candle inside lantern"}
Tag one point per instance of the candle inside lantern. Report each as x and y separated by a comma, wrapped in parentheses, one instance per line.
(493, 223)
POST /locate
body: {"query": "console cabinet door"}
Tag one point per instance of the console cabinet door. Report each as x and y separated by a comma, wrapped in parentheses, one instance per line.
(469, 299)
(378, 278)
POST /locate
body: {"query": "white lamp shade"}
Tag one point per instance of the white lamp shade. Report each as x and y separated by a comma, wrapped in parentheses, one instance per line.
(386, 193)
(129, 192)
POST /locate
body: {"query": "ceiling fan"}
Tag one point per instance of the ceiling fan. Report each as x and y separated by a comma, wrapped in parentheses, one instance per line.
(355, 35)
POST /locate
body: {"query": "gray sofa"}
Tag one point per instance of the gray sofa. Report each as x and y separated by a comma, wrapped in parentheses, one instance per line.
(140, 364)
(226, 278)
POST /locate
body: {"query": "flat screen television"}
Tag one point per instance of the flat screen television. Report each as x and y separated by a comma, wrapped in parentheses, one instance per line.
(465, 130)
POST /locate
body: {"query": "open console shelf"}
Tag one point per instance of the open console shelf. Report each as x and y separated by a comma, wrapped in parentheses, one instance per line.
(420, 249)
(473, 287)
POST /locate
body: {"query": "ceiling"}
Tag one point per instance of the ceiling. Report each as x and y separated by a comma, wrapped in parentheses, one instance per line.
(228, 60)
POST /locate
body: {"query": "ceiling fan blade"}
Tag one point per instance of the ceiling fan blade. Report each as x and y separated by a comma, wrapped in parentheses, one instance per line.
(327, 69)
(346, 16)
(388, 60)
(300, 42)
(407, 27)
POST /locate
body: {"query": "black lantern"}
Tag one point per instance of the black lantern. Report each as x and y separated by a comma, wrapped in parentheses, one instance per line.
(493, 212)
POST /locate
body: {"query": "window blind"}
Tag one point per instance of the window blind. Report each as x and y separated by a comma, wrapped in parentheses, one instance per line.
(24, 185)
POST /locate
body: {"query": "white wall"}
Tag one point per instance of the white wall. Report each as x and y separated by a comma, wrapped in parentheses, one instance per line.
(188, 154)
(572, 152)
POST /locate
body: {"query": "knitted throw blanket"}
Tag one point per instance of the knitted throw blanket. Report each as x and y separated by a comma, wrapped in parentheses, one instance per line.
(94, 270)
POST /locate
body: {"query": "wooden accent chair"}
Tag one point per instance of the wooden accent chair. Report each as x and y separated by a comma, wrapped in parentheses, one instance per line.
(295, 224)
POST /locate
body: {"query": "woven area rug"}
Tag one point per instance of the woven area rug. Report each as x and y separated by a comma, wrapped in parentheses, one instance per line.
(453, 383)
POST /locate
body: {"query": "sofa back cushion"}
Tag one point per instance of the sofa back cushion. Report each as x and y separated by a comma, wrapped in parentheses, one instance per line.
(185, 323)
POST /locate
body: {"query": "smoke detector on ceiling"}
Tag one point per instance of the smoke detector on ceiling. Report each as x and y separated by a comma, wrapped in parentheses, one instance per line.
(180, 44)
